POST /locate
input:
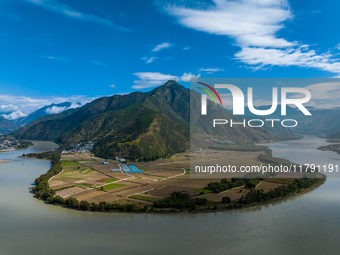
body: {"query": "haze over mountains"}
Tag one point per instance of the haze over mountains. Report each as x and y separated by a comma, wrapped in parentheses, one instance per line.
(7, 126)
(143, 125)
(321, 122)
(44, 111)
(47, 112)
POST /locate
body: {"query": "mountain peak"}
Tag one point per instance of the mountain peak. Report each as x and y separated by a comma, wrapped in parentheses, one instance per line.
(170, 82)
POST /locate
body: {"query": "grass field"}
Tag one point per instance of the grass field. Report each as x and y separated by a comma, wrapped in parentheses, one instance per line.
(89, 171)
(68, 163)
(150, 199)
(72, 170)
(142, 168)
(83, 185)
(111, 186)
(112, 180)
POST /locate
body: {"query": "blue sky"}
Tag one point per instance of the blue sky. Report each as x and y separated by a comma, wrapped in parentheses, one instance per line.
(56, 51)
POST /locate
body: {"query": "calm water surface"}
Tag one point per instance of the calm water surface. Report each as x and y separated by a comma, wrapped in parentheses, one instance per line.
(307, 224)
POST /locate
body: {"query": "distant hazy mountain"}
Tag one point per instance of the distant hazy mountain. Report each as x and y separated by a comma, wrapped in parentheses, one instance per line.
(7, 126)
(44, 111)
(45, 118)
(148, 125)
(323, 121)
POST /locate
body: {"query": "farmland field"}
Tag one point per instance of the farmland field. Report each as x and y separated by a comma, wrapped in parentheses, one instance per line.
(86, 178)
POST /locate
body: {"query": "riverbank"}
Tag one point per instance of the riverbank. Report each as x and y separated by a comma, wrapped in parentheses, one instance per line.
(5, 161)
(330, 147)
(90, 186)
(303, 191)
(12, 145)
(209, 209)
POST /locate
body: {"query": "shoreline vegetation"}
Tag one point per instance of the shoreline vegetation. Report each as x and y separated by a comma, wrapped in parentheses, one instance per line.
(182, 201)
(331, 147)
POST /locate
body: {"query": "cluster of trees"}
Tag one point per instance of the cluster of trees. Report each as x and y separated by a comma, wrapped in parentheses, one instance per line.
(226, 200)
(201, 201)
(42, 155)
(42, 189)
(332, 147)
(224, 184)
(180, 200)
(24, 144)
(101, 207)
(259, 195)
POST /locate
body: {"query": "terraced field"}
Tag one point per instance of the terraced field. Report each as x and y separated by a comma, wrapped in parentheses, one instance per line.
(86, 178)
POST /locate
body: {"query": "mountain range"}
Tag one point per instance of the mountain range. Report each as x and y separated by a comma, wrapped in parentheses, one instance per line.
(47, 112)
(7, 126)
(44, 111)
(321, 122)
(144, 125)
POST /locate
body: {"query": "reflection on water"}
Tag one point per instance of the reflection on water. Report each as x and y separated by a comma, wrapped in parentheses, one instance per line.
(305, 224)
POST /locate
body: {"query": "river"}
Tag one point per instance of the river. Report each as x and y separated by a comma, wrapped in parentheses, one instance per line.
(306, 224)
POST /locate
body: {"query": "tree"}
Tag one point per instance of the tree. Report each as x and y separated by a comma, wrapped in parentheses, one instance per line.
(73, 202)
(226, 199)
(201, 201)
(95, 207)
(84, 205)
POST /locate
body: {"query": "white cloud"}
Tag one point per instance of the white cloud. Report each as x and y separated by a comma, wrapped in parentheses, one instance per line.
(254, 25)
(324, 95)
(249, 22)
(149, 59)
(210, 70)
(112, 86)
(8, 108)
(20, 106)
(75, 105)
(161, 46)
(68, 11)
(55, 109)
(14, 115)
(61, 59)
(187, 76)
(98, 63)
(187, 48)
(337, 46)
(288, 57)
(153, 79)
(150, 79)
